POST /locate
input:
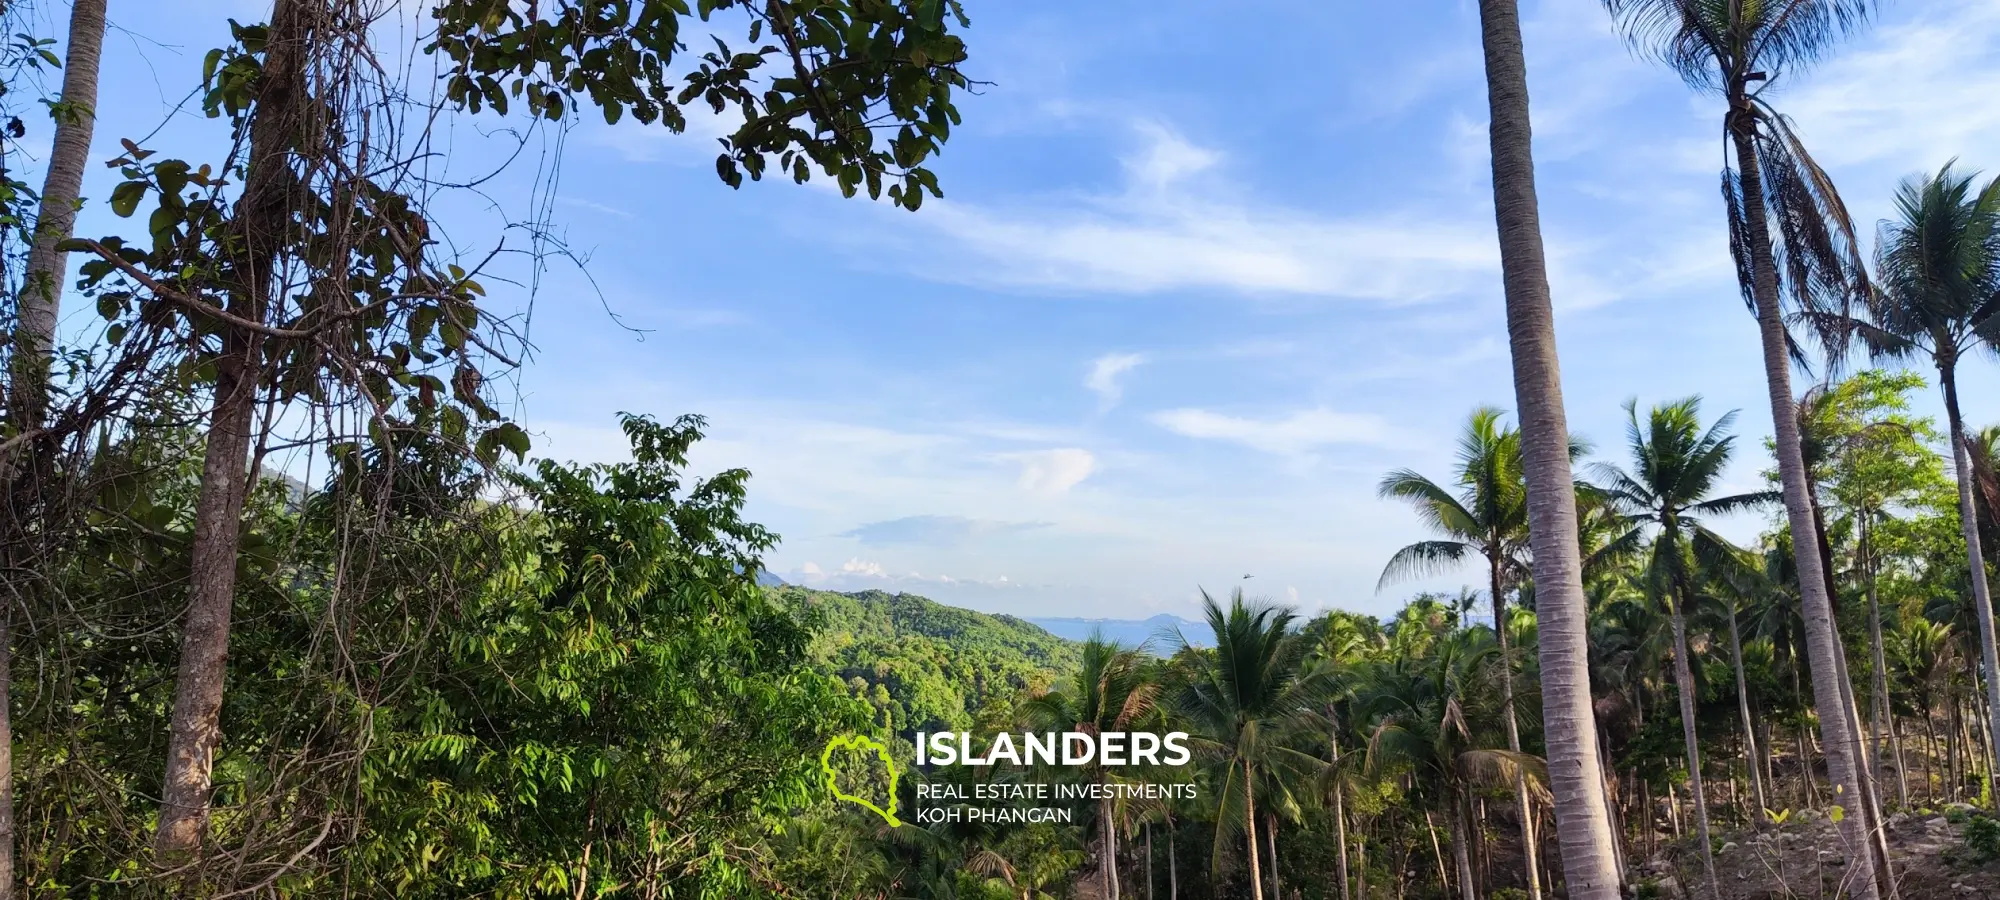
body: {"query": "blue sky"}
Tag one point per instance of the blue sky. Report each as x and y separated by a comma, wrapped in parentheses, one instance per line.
(1197, 282)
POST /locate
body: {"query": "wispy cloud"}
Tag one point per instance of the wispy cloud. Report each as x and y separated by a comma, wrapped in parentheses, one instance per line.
(935, 530)
(1054, 471)
(1916, 92)
(1104, 375)
(1296, 433)
(1163, 231)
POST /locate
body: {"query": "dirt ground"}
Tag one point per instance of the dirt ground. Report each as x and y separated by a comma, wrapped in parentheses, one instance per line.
(1805, 859)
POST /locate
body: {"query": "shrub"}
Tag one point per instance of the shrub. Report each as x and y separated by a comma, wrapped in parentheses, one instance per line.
(1982, 839)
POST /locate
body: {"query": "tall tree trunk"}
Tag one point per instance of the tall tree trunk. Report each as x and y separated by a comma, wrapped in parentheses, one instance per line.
(1173, 867)
(6, 749)
(1583, 822)
(40, 299)
(1749, 727)
(1871, 803)
(38, 307)
(1339, 817)
(1880, 711)
(1250, 825)
(1684, 679)
(1530, 862)
(1982, 602)
(1149, 860)
(1461, 851)
(1361, 866)
(1271, 839)
(261, 227)
(1444, 881)
(1110, 838)
(1822, 643)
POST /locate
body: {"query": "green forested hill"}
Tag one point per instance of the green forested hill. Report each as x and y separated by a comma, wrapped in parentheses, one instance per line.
(928, 666)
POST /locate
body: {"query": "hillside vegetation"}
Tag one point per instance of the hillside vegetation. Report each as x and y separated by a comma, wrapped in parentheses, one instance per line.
(924, 665)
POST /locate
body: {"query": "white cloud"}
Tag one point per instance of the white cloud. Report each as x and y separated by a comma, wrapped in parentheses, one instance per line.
(1299, 432)
(1167, 158)
(1104, 374)
(863, 568)
(1915, 93)
(1156, 232)
(1054, 471)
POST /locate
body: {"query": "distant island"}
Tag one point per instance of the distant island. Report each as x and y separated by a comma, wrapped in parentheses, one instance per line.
(1131, 632)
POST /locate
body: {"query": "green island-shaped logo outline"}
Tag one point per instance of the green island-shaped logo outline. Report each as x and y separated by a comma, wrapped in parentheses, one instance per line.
(860, 742)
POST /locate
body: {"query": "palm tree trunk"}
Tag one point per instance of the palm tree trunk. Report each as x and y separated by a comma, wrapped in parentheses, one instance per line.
(1110, 838)
(1896, 747)
(38, 306)
(1339, 819)
(1461, 853)
(40, 299)
(1173, 867)
(1250, 825)
(1879, 711)
(1444, 881)
(1982, 602)
(1149, 860)
(1271, 839)
(1528, 854)
(1684, 679)
(1583, 823)
(6, 751)
(264, 211)
(1749, 727)
(1822, 644)
(1361, 866)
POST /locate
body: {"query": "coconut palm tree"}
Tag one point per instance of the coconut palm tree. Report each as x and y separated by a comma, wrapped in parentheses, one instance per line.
(1420, 714)
(1737, 50)
(1583, 820)
(1108, 693)
(1676, 466)
(1937, 295)
(1247, 694)
(1487, 518)
(38, 308)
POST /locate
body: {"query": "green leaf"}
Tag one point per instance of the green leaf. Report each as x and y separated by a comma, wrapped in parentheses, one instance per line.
(126, 196)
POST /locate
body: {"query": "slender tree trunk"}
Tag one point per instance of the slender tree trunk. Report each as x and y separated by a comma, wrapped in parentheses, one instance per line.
(1749, 728)
(1822, 643)
(1149, 860)
(1982, 600)
(1871, 803)
(1110, 838)
(263, 215)
(1361, 866)
(1271, 839)
(1881, 712)
(1173, 867)
(6, 749)
(1340, 819)
(1583, 823)
(40, 299)
(1511, 720)
(1684, 679)
(38, 307)
(1444, 881)
(1250, 825)
(1461, 852)
(1613, 801)
(1902, 775)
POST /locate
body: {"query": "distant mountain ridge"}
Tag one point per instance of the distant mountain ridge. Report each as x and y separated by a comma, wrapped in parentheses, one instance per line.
(1159, 630)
